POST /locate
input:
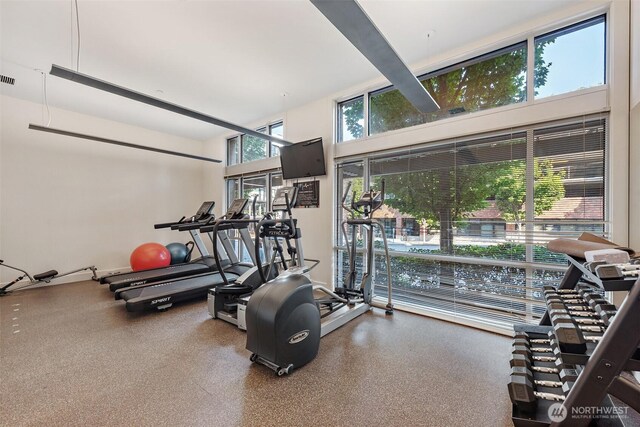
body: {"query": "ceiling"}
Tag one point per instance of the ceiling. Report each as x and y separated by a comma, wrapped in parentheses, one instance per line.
(229, 59)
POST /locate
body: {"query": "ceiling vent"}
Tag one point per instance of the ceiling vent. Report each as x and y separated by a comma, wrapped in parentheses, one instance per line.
(7, 80)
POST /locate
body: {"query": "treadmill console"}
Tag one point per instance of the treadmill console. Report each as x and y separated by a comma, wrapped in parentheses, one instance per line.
(235, 209)
(204, 211)
(279, 202)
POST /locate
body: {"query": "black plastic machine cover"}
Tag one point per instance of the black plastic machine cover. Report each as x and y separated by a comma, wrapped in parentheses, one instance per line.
(283, 322)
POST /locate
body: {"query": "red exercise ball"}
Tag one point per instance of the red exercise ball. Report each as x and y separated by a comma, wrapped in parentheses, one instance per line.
(149, 255)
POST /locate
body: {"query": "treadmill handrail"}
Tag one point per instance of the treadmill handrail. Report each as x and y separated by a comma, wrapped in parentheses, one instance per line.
(169, 224)
(195, 224)
(214, 228)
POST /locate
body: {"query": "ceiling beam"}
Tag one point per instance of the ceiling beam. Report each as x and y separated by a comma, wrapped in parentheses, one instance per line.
(93, 82)
(349, 18)
(120, 143)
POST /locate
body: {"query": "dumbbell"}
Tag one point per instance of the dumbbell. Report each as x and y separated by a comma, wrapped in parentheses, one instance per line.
(556, 311)
(527, 343)
(607, 316)
(517, 343)
(597, 301)
(557, 317)
(522, 371)
(528, 353)
(604, 307)
(523, 336)
(568, 378)
(522, 360)
(525, 397)
(562, 306)
(569, 337)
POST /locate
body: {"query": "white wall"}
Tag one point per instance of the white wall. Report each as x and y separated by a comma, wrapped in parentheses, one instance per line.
(68, 202)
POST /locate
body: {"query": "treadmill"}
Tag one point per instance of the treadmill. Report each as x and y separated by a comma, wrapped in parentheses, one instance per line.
(161, 295)
(204, 264)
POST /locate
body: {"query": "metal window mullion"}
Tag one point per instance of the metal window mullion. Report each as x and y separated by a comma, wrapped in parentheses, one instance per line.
(529, 217)
(531, 68)
(365, 114)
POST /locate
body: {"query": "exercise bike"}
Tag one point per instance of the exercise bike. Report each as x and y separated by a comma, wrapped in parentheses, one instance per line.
(285, 320)
(36, 279)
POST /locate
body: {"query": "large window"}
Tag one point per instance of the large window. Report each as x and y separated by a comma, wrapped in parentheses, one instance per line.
(261, 187)
(571, 58)
(564, 60)
(468, 220)
(247, 148)
(487, 82)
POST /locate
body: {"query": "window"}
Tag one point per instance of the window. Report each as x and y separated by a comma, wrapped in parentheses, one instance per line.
(571, 58)
(276, 183)
(471, 235)
(247, 148)
(233, 190)
(263, 186)
(490, 81)
(254, 148)
(255, 187)
(351, 119)
(565, 60)
(276, 129)
(233, 150)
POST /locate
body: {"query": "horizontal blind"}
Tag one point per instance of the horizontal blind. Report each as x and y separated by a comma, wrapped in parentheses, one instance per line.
(456, 217)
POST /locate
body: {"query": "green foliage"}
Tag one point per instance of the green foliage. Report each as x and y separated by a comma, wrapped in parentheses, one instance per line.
(510, 188)
(353, 113)
(501, 251)
(253, 148)
(426, 194)
(491, 83)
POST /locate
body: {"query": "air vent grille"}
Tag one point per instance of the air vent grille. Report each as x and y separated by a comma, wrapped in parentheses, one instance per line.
(7, 80)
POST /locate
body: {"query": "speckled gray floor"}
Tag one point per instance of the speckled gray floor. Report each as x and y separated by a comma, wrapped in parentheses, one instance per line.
(71, 355)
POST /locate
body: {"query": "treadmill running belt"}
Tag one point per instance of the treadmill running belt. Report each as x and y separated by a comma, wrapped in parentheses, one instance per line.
(136, 278)
(163, 295)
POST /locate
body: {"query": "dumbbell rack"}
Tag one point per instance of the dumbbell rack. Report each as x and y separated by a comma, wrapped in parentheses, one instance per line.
(587, 363)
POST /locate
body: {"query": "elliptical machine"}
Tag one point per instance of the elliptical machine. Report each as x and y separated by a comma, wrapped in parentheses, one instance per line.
(229, 302)
(285, 321)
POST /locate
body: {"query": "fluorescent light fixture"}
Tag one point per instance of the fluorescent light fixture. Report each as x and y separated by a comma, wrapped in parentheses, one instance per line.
(120, 143)
(349, 18)
(86, 80)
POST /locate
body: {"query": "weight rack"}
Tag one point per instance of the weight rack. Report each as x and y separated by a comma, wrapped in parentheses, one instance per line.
(581, 348)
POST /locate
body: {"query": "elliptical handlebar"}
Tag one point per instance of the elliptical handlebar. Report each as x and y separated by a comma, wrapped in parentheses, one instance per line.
(344, 198)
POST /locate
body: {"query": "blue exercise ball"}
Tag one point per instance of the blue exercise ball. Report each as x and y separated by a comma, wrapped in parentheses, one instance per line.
(180, 253)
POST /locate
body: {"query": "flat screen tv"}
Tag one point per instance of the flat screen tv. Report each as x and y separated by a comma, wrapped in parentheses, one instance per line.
(302, 160)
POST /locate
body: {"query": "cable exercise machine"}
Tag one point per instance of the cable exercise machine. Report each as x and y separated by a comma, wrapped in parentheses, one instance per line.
(36, 279)
(285, 320)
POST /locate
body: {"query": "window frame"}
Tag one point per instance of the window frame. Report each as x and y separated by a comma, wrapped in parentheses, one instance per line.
(532, 266)
(529, 44)
(267, 127)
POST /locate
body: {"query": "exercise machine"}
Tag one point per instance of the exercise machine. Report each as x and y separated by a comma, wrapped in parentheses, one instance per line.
(201, 265)
(36, 279)
(229, 302)
(162, 295)
(287, 317)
